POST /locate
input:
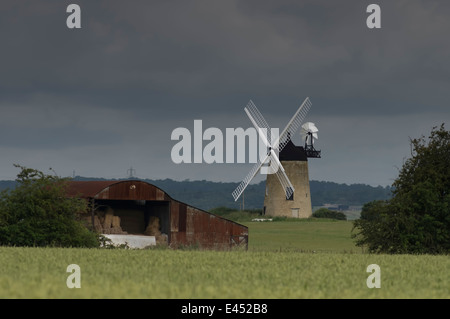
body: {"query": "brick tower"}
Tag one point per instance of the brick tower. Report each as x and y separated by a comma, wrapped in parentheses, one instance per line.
(294, 160)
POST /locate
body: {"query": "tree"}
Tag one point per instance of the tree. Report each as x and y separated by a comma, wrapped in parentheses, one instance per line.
(417, 217)
(38, 213)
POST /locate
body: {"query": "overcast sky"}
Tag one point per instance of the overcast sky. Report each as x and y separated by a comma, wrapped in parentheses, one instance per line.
(103, 98)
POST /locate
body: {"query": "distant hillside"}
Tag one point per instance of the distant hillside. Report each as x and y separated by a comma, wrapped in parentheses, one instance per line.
(207, 195)
(7, 184)
(343, 194)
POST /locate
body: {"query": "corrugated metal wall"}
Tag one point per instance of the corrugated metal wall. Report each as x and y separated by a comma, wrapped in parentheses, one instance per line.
(189, 226)
(192, 226)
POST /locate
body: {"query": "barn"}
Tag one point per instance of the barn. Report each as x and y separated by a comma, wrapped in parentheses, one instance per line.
(135, 207)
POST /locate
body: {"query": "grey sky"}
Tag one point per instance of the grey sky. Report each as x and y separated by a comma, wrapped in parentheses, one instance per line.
(105, 97)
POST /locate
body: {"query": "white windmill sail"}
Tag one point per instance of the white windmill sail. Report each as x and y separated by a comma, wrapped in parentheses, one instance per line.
(241, 187)
(259, 122)
(264, 132)
(293, 125)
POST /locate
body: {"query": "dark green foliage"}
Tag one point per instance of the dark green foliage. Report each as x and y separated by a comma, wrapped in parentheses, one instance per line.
(375, 232)
(417, 218)
(37, 213)
(326, 213)
(236, 215)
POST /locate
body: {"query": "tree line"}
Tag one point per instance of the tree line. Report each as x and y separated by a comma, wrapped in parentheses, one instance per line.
(207, 194)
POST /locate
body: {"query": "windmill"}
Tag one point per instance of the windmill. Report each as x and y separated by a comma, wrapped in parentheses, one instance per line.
(274, 146)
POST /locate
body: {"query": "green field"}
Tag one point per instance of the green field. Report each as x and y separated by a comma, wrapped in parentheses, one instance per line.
(303, 235)
(285, 260)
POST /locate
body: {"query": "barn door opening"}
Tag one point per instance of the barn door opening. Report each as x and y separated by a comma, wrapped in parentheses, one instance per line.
(156, 218)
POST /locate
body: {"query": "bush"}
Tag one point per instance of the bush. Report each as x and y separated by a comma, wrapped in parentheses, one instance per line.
(235, 215)
(38, 213)
(326, 213)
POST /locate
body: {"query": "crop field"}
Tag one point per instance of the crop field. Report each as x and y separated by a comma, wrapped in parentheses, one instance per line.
(305, 235)
(285, 260)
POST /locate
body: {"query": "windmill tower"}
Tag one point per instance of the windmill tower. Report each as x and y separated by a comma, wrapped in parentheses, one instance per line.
(279, 201)
(287, 183)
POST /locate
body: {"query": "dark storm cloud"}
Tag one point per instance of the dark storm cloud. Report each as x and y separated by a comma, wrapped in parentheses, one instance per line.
(143, 50)
(138, 69)
(207, 49)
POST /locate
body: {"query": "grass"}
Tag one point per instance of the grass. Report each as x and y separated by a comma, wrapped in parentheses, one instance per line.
(308, 235)
(280, 264)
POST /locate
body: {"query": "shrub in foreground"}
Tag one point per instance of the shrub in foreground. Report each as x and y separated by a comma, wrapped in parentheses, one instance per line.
(38, 213)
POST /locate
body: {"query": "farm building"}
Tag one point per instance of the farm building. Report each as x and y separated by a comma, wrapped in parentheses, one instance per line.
(133, 207)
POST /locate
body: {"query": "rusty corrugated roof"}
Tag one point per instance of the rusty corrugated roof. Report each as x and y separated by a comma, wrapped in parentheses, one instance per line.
(87, 189)
(124, 189)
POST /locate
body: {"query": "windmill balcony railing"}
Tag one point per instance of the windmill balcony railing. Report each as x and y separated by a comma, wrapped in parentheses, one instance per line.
(313, 153)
